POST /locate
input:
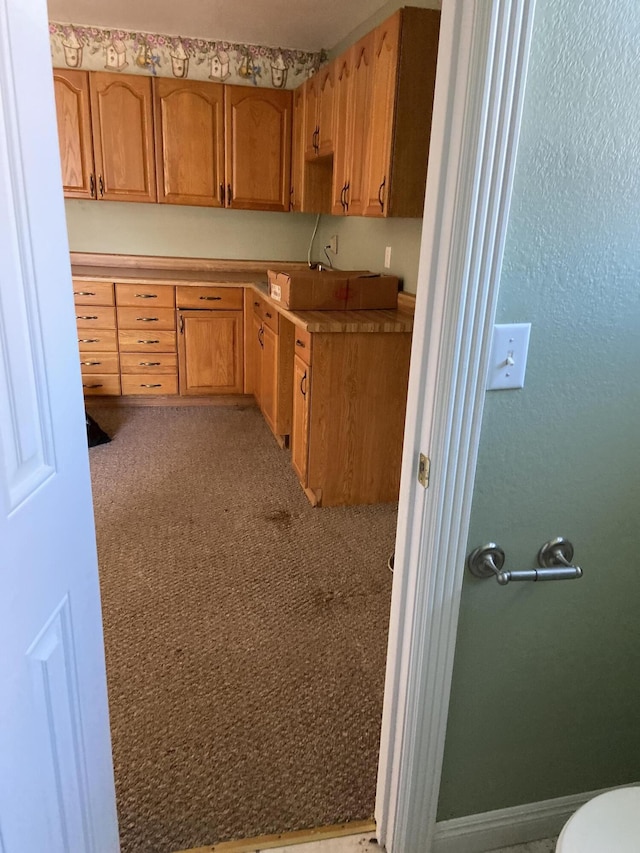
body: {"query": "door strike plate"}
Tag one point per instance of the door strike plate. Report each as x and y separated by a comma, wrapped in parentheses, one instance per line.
(424, 466)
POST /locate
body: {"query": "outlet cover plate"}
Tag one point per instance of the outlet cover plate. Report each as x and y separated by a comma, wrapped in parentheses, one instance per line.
(508, 360)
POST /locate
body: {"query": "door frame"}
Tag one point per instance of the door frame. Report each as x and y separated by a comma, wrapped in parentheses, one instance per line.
(481, 74)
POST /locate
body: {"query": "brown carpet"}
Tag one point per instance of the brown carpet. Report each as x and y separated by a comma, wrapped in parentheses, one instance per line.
(245, 632)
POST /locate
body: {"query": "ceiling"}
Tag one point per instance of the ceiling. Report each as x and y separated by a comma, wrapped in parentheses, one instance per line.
(299, 24)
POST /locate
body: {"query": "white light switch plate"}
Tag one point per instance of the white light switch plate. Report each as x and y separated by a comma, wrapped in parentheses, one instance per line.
(508, 360)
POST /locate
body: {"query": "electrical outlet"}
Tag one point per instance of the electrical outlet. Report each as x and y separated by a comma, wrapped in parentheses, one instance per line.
(332, 245)
(387, 258)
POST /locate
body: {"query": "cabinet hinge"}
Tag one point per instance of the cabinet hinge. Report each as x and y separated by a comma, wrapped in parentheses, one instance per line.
(424, 466)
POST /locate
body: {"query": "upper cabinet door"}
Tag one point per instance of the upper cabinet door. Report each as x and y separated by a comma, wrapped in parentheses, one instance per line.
(122, 120)
(326, 86)
(258, 148)
(74, 132)
(341, 130)
(189, 132)
(383, 98)
(311, 130)
(297, 150)
(359, 117)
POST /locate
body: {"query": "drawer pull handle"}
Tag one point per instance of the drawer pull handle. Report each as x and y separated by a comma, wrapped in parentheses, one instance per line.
(151, 385)
(96, 385)
(211, 298)
(147, 319)
(83, 293)
(86, 316)
(148, 342)
(149, 364)
(91, 363)
(299, 343)
(267, 314)
(256, 304)
(146, 295)
(88, 340)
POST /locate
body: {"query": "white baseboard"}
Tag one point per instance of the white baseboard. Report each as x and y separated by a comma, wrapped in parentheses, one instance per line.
(479, 833)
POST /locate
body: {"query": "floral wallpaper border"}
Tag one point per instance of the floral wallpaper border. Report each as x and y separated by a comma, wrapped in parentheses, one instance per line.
(98, 49)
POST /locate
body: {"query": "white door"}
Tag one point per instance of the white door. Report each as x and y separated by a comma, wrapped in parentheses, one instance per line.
(56, 777)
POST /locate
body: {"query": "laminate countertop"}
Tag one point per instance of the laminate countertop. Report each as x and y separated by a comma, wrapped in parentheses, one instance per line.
(318, 322)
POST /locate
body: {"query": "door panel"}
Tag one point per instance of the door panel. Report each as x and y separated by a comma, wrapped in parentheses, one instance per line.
(359, 117)
(74, 132)
(342, 131)
(326, 87)
(258, 148)
(300, 423)
(210, 352)
(189, 141)
(56, 786)
(297, 150)
(269, 377)
(122, 119)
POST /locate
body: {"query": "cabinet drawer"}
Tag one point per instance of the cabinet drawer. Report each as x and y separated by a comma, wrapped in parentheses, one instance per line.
(100, 362)
(163, 363)
(302, 340)
(95, 317)
(271, 318)
(150, 295)
(97, 340)
(146, 317)
(92, 292)
(149, 383)
(148, 340)
(101, 383)
(218, 298)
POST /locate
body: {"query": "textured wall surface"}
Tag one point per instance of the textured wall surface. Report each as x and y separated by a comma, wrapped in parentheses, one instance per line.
(200, 232)
(546, 691)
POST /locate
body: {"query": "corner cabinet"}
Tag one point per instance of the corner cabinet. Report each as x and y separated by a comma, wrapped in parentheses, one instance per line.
(258, 148)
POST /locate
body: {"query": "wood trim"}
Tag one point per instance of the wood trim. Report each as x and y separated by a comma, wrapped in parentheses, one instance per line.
(284, 839)
(406, 301)
(484, 49)
(153, 262)
(239, 401)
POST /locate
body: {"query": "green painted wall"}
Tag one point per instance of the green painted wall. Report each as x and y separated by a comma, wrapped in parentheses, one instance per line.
(546, 688)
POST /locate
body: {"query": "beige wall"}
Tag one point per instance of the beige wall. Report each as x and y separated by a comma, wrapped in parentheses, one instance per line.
(200, 232)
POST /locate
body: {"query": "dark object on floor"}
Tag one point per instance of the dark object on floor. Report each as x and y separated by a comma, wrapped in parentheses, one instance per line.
(95, 434)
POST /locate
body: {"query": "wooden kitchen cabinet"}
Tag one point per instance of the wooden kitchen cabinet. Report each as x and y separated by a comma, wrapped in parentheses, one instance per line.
(122, 127)
(272, 365)
(319, 113)
(258, 148)
(349, 400)
(210, 352)
(74, 132)
(105, 131)
(189, 136)
(297, 150)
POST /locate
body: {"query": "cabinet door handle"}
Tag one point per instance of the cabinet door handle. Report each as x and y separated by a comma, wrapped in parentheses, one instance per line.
(151, 385)
(101, 186)
(260, 335)
(380, 190)
(148, 342)
(181, 325)
(342, 192)
(211, 298)
(346, 190)
(148, 364)
(303, 391)
(95, 385)
(88, 340)
(147, 319)
(229, 195)
(316, 134)
(221, 195)
(146, 295)
(92, 185)
(83, 293)
(86, 316)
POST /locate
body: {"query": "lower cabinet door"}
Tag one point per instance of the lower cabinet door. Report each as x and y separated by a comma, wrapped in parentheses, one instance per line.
(269, 377)
(210, 352)
(255, 348)
(300, 426)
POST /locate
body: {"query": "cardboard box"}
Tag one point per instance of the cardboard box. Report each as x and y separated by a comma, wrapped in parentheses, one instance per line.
(333, 290)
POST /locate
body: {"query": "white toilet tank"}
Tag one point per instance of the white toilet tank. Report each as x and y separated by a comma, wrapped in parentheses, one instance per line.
(610, 823)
